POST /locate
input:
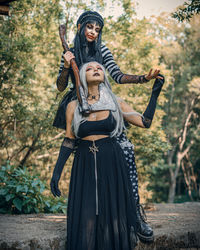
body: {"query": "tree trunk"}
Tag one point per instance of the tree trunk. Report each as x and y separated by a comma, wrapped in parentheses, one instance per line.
(172, 187)
(30, 150)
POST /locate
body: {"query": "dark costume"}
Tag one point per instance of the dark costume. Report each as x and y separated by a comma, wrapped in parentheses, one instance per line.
(101, 214)
(128, 149)
(101, 54)
(107, 61)
(99, 184)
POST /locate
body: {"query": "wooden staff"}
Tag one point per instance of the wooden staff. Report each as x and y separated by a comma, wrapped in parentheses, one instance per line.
(79, 88)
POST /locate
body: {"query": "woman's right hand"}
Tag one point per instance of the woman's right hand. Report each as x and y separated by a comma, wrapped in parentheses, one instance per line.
(67, 58)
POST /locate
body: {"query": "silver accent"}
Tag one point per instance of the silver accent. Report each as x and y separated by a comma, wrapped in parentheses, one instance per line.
(94, 149)
(126, 144)
(105, 101)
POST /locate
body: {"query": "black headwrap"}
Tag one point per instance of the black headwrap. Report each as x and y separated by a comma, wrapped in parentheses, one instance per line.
(88, 51)
(90, 15)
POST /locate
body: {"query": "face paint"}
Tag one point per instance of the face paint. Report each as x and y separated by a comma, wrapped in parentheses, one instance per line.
(92, 31)
(94, 73)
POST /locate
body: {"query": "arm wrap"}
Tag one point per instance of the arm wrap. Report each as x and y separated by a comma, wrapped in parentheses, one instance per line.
(151, 107)
(68, 142)
(133, 79)
(146, 122)
(62, 80)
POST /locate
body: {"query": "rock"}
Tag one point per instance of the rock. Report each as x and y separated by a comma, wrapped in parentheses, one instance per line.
(176, 226)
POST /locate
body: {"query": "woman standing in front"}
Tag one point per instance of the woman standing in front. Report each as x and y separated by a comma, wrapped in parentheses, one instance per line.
(101, 214)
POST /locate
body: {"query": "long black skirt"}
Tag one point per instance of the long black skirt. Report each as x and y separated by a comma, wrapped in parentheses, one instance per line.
(101, 213)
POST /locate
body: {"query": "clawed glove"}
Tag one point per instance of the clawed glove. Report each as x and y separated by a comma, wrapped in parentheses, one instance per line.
(150, 110)
(65, 151)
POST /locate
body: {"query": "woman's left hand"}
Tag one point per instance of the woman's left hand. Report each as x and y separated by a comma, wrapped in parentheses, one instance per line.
(54, 185)
(153, 75)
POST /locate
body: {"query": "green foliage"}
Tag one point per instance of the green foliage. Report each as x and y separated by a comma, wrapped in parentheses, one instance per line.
(30, 49)
(30, 56)
(159, 182)
(187, 11)
(22, 193)
(180, 52)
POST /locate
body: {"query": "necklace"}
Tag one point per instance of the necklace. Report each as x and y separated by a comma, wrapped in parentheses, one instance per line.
(93, 97)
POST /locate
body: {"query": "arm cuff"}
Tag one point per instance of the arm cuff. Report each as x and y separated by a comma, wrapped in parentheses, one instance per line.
(68, 142)
(146, 122)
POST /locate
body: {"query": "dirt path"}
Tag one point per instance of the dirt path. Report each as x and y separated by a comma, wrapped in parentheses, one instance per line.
(176, 226)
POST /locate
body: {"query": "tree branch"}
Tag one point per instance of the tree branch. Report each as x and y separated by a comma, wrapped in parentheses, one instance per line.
(184, 134)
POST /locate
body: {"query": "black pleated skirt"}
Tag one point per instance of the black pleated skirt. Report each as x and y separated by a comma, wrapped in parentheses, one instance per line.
(101, 214)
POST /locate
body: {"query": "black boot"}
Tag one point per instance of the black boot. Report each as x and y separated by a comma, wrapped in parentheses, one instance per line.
(144, 231)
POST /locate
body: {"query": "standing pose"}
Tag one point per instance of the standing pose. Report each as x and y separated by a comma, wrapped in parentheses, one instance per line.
(101, 213)
(88, 47)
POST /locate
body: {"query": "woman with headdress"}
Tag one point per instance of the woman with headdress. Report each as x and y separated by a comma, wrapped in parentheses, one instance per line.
(101, 213)
(88, 47)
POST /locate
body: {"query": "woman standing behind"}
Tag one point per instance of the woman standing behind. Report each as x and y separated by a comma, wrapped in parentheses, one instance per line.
(87, 48)
(101, 214)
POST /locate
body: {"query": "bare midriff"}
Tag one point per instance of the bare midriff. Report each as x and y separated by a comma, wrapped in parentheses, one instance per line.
(94, 137)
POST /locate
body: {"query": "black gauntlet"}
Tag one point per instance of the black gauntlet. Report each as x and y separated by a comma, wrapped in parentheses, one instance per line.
(151, 107)
(66, 149)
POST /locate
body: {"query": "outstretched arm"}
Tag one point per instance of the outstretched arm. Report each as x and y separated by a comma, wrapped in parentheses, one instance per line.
(130, 115)
(144, 120)
(141, 79)
(118, 76)
(66, 149)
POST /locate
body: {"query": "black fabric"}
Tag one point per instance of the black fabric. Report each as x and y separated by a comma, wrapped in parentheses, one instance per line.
(102, 127)
(65, 151)
(60, 118)
(150, 110)
(112, 228)
(88, 15)
(128, 150)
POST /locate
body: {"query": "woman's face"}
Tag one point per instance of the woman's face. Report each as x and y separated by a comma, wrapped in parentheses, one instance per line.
(94, 73)
(92, 31)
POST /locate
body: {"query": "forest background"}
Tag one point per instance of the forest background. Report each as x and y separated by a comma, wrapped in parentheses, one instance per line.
(167, 154)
